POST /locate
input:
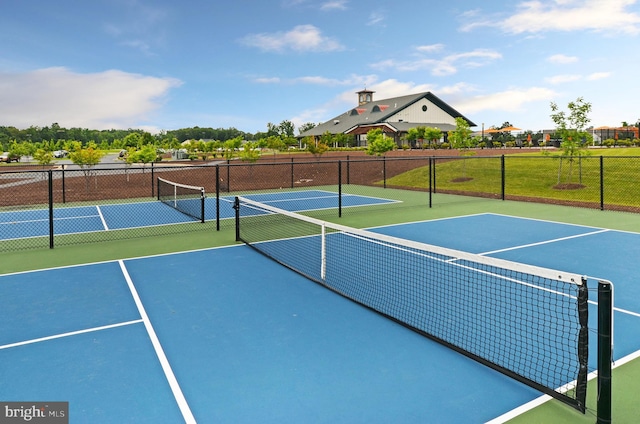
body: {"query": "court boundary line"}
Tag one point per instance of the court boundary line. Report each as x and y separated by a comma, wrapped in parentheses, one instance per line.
(162, 357)
(534, 403)
(539, 243)
(69, 334)
(104, 223)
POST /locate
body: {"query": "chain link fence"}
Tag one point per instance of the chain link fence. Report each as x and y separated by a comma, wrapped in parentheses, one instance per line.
(43, 208)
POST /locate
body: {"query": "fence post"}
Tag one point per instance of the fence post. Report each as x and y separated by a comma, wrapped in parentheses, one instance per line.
(153, 195)
(348, 170)
(64, 194)
(601, 183)
(339, 189)
(502, 177)
(217, 197)
(292, 182)
(50, 209)
(434, 174)
(384, 171)
(430, 183)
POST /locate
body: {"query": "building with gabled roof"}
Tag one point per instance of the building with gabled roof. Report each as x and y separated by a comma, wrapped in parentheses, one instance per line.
(395, 116)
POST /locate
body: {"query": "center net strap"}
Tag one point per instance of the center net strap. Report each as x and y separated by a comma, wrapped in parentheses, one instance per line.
(525, 321)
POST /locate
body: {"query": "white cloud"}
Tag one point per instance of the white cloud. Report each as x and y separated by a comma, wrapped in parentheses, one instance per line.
(598, 76)
(334, 5)
(446, 65)
(104, 100)
(375, 18)
(561, 79)
(267, 80)
(430, 48)
(537, 16)
(353, 80)
(302, 38)
(506, 101)
(562, 59)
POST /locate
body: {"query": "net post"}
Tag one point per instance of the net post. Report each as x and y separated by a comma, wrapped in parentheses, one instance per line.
(583, 346)
(202, 198)
(605, 336)
(236, 206)
(158, 188)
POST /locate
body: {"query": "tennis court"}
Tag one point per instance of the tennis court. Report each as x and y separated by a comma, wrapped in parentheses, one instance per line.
(79, 219)
(226, 335)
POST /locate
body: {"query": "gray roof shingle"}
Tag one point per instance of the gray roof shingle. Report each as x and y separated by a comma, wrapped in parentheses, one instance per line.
(379, 111)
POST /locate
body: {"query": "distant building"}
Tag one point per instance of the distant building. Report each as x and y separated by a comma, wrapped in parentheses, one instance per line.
(394, 116)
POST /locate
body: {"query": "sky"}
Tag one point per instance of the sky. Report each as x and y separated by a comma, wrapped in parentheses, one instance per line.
(164, 65)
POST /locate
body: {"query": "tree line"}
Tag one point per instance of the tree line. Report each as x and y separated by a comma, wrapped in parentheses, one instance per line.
(56, 135)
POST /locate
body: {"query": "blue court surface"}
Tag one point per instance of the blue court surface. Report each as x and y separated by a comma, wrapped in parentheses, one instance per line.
(81, 219)
(226, 335)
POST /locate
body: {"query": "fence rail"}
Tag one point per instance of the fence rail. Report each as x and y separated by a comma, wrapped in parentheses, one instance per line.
(43, 208)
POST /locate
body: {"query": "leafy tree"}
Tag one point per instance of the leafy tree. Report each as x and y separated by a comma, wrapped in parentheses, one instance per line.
(145, 155)
(86, 159)
(250, 152)
(432, 134)
(571, 128)
(272, 129)
(461, 139)
(286, 129)
(378, 144)
(21, 149)
(344, 140)
(43, 157)
(230, 146)
(274, 143)
(318, 147)
(306, 127)
(132, 140)
(415, 135)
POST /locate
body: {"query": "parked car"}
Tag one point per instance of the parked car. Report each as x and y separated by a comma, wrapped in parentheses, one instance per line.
(8, 157)
(60, 154)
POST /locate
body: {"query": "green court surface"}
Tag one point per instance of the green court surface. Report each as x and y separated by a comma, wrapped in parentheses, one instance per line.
(414, 207)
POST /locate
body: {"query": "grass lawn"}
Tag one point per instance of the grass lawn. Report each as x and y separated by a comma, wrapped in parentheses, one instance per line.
(539, 176)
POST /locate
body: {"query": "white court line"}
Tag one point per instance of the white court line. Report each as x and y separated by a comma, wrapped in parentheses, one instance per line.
(166, 367)
(543, 242)
(104, 223)
(28, 221)
(544, 398)
(71, 333)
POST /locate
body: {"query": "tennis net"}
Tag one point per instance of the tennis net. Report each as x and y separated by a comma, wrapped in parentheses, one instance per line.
(527, 322)
(187, 199)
